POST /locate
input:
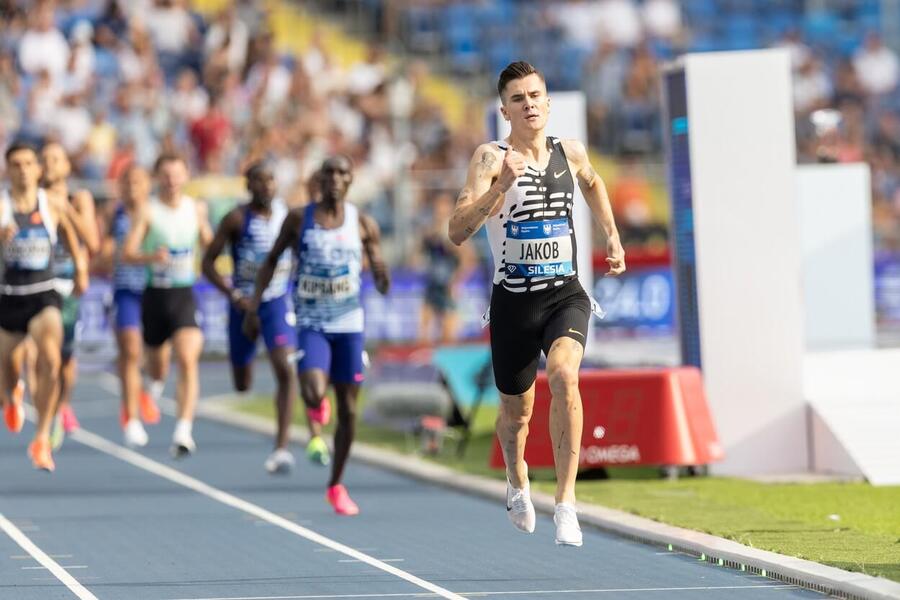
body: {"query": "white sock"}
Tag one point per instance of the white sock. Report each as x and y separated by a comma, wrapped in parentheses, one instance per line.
(155, 389)
(183, 427)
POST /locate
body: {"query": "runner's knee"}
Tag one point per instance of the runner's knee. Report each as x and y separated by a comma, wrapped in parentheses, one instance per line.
(563, 378)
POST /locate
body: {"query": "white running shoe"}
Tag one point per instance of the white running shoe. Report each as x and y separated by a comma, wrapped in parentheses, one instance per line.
(280, 462)
(519, 508)
(568, 532)
(135, 435)
(182, 439)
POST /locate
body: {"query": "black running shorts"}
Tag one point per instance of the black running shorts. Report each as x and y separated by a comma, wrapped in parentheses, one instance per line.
(524, 323)
(166, 310)
(17, 311)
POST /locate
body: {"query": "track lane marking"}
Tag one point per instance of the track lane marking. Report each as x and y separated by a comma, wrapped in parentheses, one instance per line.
(39, 555)
(140, 461)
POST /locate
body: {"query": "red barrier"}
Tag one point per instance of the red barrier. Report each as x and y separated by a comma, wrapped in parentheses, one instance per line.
(635, 416)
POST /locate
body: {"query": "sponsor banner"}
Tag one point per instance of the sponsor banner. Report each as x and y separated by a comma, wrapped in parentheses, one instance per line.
(641, 301)
(887, 288)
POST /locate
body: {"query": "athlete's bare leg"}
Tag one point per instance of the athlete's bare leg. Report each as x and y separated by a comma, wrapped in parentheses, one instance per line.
(426, 322)
(187, 344)
(512, 431)
(285, 392)
(129, 363)
(449, 326)
(313, 386)
(46, 330)
(11, 359)
(566, 415)
(68, 374)
(345, 395)
(158, 361)
(242, 376)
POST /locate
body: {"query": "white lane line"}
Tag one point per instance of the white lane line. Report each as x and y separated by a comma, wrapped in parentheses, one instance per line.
(142, 462)
(502, 593)
(28, 546)
(27, 557)
(352, 560)
(67, 567)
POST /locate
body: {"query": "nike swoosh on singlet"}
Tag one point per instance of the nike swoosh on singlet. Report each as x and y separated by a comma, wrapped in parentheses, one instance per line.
(573, 331)
(560, 174)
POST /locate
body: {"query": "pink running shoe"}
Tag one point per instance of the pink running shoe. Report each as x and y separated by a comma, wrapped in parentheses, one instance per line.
(69, 420)
(321, 415)
(338, 498)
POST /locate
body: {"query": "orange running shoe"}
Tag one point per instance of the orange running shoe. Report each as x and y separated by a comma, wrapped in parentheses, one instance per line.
(41, 457)
(149, 409)
(13, 412)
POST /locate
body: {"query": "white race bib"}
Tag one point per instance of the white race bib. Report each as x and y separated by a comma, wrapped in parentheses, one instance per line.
(539, 249)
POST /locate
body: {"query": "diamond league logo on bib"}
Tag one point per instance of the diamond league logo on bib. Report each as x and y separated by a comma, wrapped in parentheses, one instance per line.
(511, 268)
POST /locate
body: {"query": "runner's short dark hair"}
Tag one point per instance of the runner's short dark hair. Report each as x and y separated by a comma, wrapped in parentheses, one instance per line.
(19, 145)
(516, 70)
(167, 157)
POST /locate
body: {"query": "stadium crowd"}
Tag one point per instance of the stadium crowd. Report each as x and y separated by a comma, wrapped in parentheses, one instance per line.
(118, 82)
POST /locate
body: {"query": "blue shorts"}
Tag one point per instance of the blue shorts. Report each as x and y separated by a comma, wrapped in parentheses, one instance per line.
(338, 354)
(277, 324)
(127, 309)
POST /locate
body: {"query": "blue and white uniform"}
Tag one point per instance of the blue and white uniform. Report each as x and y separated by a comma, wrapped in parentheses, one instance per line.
(327, 297)
(276, 315)
(128, 280)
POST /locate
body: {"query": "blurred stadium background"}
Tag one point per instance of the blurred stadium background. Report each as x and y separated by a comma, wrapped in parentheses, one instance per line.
(401, 86)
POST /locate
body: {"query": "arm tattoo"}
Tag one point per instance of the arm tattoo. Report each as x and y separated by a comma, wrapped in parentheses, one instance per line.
(487, 161)
(587, 178)
(470, 230)
(463, 196)
(485, 211)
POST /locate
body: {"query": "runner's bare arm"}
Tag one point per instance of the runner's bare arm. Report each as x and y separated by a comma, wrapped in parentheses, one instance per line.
(131, 249)
(224, 234)
(286, 240)
(372, 246)
(481, 194)
(205, 230)
(597, 199)
(66, 232)
(84, 218)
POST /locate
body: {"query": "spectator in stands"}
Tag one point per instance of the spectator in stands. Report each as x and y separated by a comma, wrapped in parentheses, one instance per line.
(43, 48)
(812, 86)
(10, 89)
(662, 19)
(229, 36)
(79, 76)
(365, 77)
(621, 23)
(173, 32)
(603, 78)
(792, 41)
(188, 101)
(877, 66)
(210, 134)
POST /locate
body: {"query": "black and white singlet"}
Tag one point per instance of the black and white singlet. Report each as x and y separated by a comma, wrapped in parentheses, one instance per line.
(532, 238)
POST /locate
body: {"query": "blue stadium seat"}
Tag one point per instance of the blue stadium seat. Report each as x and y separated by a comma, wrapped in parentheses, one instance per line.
(820, 27)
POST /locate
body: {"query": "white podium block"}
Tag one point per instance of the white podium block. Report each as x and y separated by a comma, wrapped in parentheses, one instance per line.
(735, 226)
